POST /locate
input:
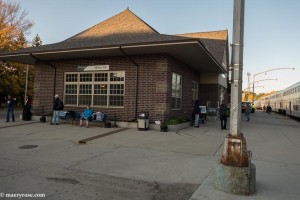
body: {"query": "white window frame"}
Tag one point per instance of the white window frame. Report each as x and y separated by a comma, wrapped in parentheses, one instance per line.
(118, 83)
(195, 92)
(176, 91)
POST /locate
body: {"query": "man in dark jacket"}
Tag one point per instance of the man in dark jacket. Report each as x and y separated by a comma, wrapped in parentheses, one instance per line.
(248, 111)
(223, 115)
(57, 107)
(196, 112)
(10, 108)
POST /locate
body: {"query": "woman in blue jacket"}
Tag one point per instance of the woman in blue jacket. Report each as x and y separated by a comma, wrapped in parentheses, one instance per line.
(86, 115)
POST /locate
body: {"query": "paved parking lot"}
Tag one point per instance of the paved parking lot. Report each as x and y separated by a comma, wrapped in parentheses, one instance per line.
(134, 164)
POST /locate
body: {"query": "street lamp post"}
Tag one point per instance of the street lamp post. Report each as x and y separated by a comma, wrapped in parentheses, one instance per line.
(280, 68)
(235, 174)
(26, 84)
(248, 88)
(248, 74)
(269, 79)
(236, 155)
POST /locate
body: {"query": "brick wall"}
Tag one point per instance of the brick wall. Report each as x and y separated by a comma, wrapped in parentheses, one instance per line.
(212, 93)
(188, 76)
(44, 86)
(154, 85)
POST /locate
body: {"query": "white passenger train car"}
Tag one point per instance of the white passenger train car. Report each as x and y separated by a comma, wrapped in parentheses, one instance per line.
(286, 101)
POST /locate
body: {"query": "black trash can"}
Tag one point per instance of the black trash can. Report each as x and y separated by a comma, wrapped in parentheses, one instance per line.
(143, 121)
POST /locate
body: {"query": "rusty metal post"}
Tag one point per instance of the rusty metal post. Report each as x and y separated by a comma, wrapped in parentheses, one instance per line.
(234, 173)
(235, 149)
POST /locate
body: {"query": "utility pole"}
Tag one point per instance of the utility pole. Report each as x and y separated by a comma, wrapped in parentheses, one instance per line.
(248, 74)
(26, 84)
(235, 150)
(234, 173)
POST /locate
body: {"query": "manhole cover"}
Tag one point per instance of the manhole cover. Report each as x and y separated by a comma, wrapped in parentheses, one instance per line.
(30, 146)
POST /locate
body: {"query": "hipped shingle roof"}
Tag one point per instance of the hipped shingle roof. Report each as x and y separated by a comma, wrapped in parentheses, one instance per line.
(214, 41)
(123, 28)
(126, 28)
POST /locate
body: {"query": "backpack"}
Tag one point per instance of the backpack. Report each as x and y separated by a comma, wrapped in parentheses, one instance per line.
(100, 116)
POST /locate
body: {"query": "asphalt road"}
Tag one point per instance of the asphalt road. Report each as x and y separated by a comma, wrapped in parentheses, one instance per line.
(150, 164)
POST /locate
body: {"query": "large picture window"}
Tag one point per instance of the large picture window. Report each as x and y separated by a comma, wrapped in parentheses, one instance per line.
(176, 91)
(105, 89)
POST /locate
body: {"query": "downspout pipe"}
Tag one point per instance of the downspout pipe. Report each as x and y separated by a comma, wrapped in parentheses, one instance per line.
(137, 79)
(50, 65)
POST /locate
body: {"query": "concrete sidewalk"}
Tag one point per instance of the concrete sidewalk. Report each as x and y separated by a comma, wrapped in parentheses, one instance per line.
(136, 164)
(275, 143)
(18, 119)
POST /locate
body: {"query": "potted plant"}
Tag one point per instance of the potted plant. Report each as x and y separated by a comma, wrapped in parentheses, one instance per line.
(163, 127)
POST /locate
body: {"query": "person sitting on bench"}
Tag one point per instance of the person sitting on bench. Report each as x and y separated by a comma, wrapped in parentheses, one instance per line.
(86, 115)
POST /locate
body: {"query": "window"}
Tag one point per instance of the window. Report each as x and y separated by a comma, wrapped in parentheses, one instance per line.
(194, 92)
(106, 89)
(176, 91)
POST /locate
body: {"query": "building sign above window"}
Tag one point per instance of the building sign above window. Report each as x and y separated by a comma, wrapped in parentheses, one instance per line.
(93, 68)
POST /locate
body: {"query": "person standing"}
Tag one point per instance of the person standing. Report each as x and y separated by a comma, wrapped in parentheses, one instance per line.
(57, 107)
(253, 108)
(26, 110)
(248, 111)
(10, 108)
(269, 109)
(196, 112)
(223, 115)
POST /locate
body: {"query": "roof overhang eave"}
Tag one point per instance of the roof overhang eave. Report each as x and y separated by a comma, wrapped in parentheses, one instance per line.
(30, 57)
(190, 52)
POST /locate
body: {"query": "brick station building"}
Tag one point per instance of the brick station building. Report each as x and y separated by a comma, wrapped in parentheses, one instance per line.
(122, 66)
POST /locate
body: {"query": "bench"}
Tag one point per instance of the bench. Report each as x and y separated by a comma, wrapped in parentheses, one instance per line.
(101, 121)
(70, 115)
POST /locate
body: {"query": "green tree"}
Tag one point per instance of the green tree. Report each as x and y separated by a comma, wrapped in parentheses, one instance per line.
(14, 81)
(14, 26)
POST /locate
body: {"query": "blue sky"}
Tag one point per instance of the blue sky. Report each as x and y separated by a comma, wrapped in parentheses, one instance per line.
(271, 37)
